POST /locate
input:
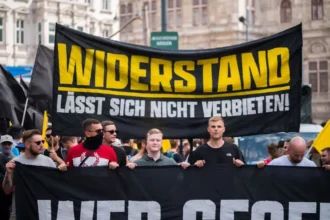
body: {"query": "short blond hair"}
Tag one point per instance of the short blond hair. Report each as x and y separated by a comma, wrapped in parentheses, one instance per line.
(154, 131)
(215, 119)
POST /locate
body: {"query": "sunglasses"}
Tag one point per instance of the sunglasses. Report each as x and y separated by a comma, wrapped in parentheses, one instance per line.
(98, 131)
(112, 131)
(7, 143)
(48, 135)
(39, 142)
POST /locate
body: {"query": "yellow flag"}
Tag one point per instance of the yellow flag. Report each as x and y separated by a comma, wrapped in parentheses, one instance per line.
(322, 140)
(44, 128)
(166, 145)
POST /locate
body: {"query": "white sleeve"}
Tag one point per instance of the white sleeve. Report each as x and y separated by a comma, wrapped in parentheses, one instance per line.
(51, 163)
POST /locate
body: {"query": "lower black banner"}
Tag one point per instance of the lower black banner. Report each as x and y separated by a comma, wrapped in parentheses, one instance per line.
(218, 193)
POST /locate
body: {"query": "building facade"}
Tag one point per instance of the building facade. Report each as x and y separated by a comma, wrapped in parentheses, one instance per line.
(205, 24)
(24, 24)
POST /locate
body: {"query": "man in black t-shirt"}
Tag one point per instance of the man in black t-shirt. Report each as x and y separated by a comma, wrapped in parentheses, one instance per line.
(216, 150)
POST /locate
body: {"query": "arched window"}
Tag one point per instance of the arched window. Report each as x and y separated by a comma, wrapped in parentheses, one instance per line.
(317, 9)
(286, 11)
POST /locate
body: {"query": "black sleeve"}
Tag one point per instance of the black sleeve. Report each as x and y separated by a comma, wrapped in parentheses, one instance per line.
(177, 158)
(3, 162)
(46, 153)
(121, 156)
(195, 155)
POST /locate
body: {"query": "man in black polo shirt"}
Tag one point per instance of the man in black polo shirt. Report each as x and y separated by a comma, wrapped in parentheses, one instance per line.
(216, 150)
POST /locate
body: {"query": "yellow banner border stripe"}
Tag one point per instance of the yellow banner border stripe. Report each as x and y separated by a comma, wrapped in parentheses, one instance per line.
(166, 95)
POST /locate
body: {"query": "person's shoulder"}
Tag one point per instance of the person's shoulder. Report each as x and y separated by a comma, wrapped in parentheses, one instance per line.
(169, 161)
(119, 149)
(140, 161)
(76, 147)
(230, 145)
(43, 157)
(202, 147)
(18, 158)
(277, 161)
(309, 163)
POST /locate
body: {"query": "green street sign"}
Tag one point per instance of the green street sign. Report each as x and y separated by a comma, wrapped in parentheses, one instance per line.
(165, 40)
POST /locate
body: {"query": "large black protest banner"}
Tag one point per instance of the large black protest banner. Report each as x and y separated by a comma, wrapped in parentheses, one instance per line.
(255, 87)
(171, 193)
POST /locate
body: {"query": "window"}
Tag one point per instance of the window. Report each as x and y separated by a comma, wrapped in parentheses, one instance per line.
(51, 33)
(87, 1)
(153, 19)
(106, 4)
(200, 12)
(20, 31)
(126, 14)
(174, 13)
(39, 33)
(317, 9)
(107, 30)
(152, 13)
(318, 76)
(80, 28)
(92, 28)
(251, 11)
(1, 31)
(286, 11)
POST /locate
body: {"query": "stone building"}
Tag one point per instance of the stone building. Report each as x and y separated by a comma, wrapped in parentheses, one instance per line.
(205, 24)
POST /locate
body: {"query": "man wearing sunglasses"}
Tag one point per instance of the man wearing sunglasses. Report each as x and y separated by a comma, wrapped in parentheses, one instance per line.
(54, 150)
(109, 138)
(32, 155)
(91, 152)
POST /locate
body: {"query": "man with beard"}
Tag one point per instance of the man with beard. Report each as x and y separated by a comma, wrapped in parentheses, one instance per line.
(325, 158)
(54, 150)
(53, 143)
(32, 155)
(109, 138)
(91, 152)
(296, 155)
(216, 150)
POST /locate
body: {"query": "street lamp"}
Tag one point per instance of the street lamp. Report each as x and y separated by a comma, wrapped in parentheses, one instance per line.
(245, 22)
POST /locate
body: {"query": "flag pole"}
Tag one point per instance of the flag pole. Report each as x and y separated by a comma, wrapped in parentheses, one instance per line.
(309, 150)
(24, 113)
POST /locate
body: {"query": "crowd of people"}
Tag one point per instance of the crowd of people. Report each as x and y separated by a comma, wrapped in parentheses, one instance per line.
(100, 146)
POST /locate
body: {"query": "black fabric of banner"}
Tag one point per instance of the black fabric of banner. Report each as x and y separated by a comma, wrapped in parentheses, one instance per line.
(255, 87)
(219, 193)
(42, 75)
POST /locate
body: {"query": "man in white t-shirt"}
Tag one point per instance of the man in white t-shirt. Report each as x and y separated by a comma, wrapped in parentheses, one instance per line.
(32, 156)
(295, 156)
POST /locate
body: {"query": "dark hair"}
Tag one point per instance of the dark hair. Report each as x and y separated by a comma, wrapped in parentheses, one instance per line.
(139, 143)
(280, 144)
(125, 141)
(29, 134)
(107, 123)
(49, 128)
(16, 131)
(326, 149)
(65, 139)
(274, 151)
(88, 122)
(174, 143)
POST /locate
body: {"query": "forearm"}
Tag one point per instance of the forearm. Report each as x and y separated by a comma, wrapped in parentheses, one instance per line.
(59, 161)
(8, 184)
